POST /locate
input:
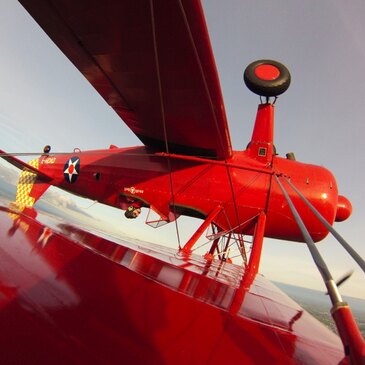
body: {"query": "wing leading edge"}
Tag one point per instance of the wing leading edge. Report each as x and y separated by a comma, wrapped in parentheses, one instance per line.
(153, 64)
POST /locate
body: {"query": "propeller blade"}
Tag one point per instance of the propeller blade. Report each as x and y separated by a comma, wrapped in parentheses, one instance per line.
(343, 278)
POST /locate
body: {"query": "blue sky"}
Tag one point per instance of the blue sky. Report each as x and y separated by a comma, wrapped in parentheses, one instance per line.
(44, 100)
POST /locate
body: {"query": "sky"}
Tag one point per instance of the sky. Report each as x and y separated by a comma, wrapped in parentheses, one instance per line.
(45, 100)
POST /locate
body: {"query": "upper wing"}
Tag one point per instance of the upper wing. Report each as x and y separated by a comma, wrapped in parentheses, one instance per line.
(152, 62)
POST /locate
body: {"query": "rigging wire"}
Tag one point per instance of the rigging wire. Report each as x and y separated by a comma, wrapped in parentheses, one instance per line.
(94, 152)
(162, 108)
(204, 159)
(211, 106)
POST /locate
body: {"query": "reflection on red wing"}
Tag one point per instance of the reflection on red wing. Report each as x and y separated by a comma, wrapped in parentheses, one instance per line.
(77, 298)
(151, 61)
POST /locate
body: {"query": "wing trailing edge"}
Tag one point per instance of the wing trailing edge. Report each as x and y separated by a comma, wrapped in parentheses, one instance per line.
(152, 62)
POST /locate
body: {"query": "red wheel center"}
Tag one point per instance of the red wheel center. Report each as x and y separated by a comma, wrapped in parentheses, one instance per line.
(267, 72)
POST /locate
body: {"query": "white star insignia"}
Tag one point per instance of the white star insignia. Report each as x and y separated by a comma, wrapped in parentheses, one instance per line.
(71, 169)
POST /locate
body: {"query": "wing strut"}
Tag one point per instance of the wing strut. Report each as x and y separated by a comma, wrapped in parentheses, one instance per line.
(257, 243)
(351, 337)
(222, 242)
(189, 245)
(339, 238)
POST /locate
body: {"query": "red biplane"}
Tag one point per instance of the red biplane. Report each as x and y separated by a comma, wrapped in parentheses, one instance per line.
(69, 296)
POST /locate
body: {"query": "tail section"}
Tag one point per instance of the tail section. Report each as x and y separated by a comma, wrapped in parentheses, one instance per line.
(34, 167)
(32, 183)
(30, 186)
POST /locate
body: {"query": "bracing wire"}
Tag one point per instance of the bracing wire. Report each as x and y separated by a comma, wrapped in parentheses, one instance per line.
(211, 105)
(162, 108)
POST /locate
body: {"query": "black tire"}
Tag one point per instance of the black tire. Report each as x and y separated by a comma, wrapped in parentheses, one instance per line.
(276, 83)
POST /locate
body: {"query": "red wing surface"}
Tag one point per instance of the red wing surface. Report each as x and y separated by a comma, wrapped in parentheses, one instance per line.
(153, 64)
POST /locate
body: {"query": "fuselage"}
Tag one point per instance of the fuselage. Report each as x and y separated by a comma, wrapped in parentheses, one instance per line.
(242, 186)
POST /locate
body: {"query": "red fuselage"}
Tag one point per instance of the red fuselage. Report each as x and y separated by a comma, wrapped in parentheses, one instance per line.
(235, 190)
(242, 185)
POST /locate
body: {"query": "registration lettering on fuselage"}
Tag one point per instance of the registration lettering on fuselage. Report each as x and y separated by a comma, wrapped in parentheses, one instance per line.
(48, 160)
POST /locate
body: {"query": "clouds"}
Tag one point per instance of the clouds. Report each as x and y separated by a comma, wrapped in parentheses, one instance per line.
(8, 173)
(64, 201)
